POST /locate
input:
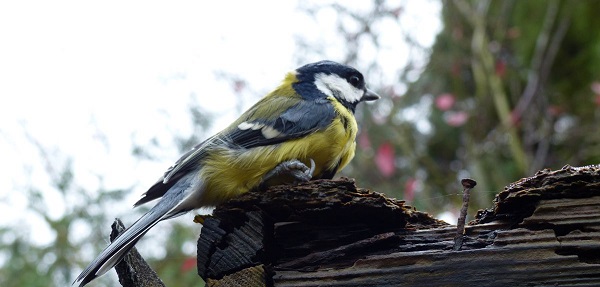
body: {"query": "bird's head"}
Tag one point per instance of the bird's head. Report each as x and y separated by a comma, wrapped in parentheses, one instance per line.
(330, 79)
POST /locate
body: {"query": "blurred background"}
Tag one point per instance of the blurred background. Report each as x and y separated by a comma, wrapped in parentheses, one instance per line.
(98, 99)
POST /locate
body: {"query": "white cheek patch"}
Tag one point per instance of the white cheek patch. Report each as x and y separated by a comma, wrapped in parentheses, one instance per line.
(335, 86)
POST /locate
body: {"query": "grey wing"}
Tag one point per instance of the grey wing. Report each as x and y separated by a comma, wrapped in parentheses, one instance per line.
(300, 119)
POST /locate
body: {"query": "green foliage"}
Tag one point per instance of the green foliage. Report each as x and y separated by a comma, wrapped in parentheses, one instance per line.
(518, 74)
(29, 263)
(179, 268)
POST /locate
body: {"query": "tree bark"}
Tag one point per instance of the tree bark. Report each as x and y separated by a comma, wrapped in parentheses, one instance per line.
(542, 231)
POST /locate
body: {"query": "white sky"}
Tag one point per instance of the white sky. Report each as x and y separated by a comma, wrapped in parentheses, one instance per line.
(87, 79)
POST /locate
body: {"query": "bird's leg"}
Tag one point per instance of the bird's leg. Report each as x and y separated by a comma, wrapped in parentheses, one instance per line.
(289, 172)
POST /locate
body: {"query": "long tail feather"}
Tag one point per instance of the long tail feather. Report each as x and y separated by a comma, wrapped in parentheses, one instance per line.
(167, 207)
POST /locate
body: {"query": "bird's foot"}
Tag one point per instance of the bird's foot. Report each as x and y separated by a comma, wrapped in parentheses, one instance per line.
(289, 172)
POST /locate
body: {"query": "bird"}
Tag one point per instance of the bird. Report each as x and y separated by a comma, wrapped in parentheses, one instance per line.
(308, 120)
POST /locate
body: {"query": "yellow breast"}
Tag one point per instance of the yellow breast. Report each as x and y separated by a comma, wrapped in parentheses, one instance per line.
(228, 173)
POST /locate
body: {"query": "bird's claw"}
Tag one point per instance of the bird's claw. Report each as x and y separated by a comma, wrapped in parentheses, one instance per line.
(291, 171)
(301, 172)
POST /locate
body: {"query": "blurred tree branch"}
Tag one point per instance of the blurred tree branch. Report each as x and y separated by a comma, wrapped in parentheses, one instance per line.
(486, 79)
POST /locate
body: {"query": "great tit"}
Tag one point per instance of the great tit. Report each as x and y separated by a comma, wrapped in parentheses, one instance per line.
(307, 120)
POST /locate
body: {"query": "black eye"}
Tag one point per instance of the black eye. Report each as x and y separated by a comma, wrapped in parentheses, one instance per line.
(355, 81)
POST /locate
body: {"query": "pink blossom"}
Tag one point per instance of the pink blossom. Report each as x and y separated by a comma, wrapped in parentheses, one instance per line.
(445, 101)
(188, 264)
(363, 141)
(595, 88)
(456, 119)
(385, 159)
(409, 189)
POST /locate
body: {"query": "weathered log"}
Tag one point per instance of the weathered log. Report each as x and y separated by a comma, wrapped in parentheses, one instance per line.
(542, 231)
(133, 271)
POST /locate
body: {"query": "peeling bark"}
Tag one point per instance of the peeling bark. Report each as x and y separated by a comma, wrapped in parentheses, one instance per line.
(542, 231)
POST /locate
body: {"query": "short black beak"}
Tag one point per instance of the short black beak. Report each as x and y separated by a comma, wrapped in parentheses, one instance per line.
(369, 96)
